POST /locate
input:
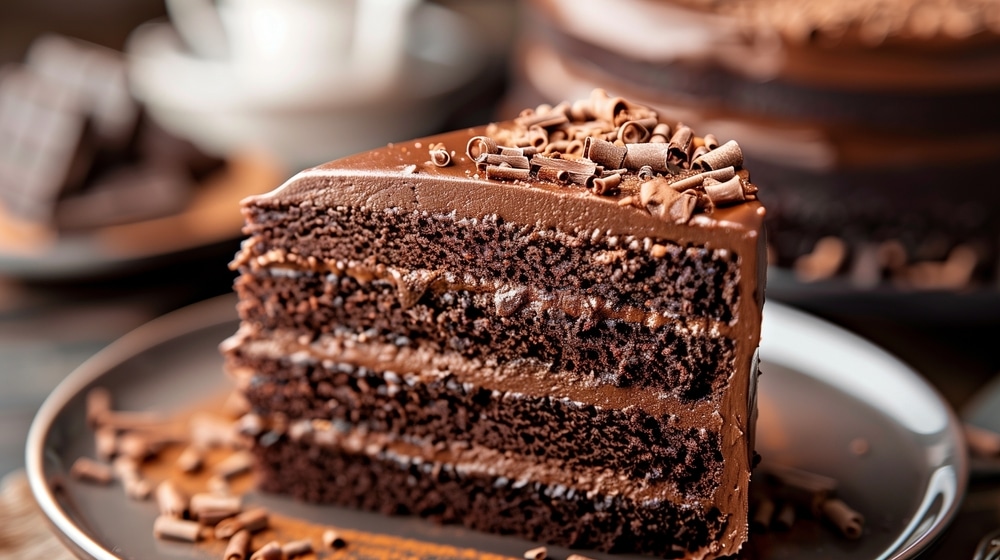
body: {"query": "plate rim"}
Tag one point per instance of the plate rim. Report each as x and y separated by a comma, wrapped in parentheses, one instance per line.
(221, 309)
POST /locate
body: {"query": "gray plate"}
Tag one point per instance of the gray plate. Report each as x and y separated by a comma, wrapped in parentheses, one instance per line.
(821, 389)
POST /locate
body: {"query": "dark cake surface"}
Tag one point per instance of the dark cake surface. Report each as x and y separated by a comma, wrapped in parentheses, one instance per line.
(540, 345)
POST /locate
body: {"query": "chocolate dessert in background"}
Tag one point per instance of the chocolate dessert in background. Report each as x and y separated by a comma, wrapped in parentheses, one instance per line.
(873, 124)
(77, 151)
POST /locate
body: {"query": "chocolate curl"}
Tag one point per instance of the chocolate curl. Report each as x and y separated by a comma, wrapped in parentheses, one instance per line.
(270, 551)
(297, 548)
(802, 487)
(661, 133)
(762, 516)
(849, 522)
(558, 135)
(517, 162)
(696, 180)
(573, 166)
(333, 540)
(635, 132)
(641, 155)
(98, 405)
(89, 470)
(479, 145)
(440, 156)
(823, 262)
(698, 152)
(538, 137)
(213, 506)
(785, 518)
(237, 547)
(505, 173)
(581, 110)
(560, 176)
(666, 203)
(106, 443)
(236, 464)
(209, 432)
(512, 151)
(177, 529)
(603, 152)
(251, 520)
(728, 154)
(137, 446)
(574, 148)
(607, 185)
(191, 459)
(710, 142)
(171, 501)
(645, 173)
(606, 107)
(127, 470)
(539, 553)
(680, 144)
(725, 194)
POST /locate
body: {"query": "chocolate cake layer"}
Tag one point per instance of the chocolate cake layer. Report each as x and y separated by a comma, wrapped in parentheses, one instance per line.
(476, 495)
(477, 328)
(443, 407)
(687, 279)
(690, 362)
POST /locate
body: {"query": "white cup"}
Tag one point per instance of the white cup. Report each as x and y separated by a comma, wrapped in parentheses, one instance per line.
(274, 44)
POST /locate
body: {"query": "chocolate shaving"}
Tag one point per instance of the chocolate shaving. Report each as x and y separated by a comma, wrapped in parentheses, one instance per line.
(89, 470)
(726, 155)
(127, 470)
(552, 174)
(270, 551)
(680, 144)
(697, 179)
(683, 208)
(251, 520)
(207, 505)
(785, 518)
(653, 156)
(515, 161)
(171, 501)
(604, 153)
(440, 156)
(698, 152)
(236, 464)
(645, 173)
(503, 173)
(479, 145)
(513, 151)
(634, 132)
(166, 527)
(725, 194)
(539, 553)
(849, 522)
(191, 459)
(537, 137)
(297, 548)
(105, 443)
(710, 142)
(98, 405)
(761, 520)
(573, 166)
(661, 134)
(607, 185)
(606, 108)
(333, 540)
(237, 547)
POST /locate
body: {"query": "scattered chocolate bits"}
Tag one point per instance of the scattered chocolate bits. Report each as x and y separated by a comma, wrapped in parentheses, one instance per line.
(91, 471)
(611, 146)
(539, 553)
(333, 540)
(797, 490)
(237, 547)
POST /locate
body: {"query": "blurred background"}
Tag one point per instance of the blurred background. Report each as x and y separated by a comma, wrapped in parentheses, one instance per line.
(130, 129)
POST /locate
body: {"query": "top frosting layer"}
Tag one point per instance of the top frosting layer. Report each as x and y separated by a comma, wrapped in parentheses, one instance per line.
(601, 164)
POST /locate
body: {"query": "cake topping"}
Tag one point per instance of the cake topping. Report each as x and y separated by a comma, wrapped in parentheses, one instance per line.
(615, 147)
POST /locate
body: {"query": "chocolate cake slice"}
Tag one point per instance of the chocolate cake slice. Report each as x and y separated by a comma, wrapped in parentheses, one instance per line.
(545, 327)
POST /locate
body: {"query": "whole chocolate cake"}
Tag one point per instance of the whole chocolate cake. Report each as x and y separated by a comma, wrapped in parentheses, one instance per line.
(545, 327)
(854, 113)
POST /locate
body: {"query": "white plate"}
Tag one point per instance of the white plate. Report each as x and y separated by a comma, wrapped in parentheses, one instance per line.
(821, 389)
